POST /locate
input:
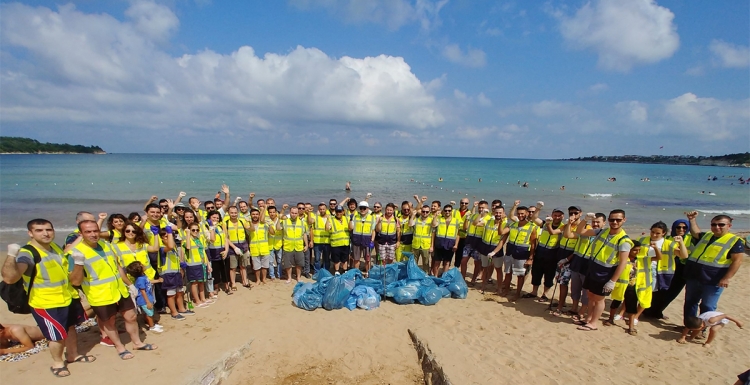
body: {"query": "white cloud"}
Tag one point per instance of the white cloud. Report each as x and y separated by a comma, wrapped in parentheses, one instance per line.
(634, 110)
(598, 87)
(708, 118)
(483, 100)
(392, 13)
(730, 55)
(94, 69)
(473, 57)
(459, 95)
(695, 71)
(622, 33)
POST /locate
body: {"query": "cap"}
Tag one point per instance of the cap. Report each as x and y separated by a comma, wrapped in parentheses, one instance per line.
(575, 208)
(179, 204)
(364, 204)
(558, 210)
(339, 208)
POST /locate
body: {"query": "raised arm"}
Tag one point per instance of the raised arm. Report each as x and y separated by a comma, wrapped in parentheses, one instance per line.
(13, 271)
(582, 229)
(225, 190)
(512, 215)
(150, 201)
(535, 216)
(695, 231)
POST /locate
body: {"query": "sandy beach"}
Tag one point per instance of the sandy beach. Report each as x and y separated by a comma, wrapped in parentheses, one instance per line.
(483, 339)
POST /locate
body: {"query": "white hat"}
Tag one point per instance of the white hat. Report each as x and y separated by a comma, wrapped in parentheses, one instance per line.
(364, 204)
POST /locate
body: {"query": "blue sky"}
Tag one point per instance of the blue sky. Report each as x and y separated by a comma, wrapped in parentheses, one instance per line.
(514, 79)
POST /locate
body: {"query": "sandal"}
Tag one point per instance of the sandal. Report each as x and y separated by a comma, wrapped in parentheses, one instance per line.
(234, 288)
(633, 332)
(557, 313)
(543, 299)
(528, 295)
(571, 312)
(125, 353)
(58, 372)
(580, 322)
(146, 347)
(586, 328)
(84, 359)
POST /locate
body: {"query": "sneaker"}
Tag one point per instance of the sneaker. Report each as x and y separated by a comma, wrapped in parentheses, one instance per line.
(187, 312)
(178, 317)
(618, 317)
(107, 342)
(163, 311)
(156, 329)
(337, 274)
(203, 305)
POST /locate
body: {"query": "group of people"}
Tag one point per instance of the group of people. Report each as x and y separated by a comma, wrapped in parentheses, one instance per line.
(176, 258)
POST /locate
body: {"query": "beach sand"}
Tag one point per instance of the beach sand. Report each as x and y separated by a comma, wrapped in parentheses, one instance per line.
(480, 340)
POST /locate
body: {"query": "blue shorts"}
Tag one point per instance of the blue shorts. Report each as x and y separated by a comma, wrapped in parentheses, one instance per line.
(55, 322)
(147, 311)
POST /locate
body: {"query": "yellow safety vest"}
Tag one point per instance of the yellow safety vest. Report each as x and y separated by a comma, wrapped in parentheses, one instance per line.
(339, 232)
(547, 239)
(102, 283)
(642, 282)
(618, 293)
(236, 231)
(569, 243)
(171, 263)
(461, 219)
(363, 226)
(477, 231)
(126, 256)
(197, 253)
(275, 241)
(259, 241)
(422, 234)
(715, 254)
(388, 227)
(320, 234)
(521, 235)
(219, 238)
(446, 230)
(665, 265)
(605, 251)
(293, 233)
(491, 235)
(52, 287)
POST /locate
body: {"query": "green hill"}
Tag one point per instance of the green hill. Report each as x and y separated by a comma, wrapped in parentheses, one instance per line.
(734, 160)
(16, 145)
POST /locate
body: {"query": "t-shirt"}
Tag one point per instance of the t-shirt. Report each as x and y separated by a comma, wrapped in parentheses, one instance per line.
(710, 314)
(143, 283)
(739, 246)
(659, 244)
(621, 246)
(745, 377)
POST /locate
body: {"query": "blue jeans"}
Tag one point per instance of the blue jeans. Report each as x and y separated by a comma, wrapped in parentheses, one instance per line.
(275, 272)
(322, 253)
(698, 294)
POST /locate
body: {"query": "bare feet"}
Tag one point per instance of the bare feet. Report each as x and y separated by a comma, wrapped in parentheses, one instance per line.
(706, 345)
(681, 340)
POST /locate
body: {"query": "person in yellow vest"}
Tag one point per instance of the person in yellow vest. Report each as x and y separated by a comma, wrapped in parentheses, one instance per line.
(321, 238)
(195, 204)
(305, 213)
(115, 224)
(275, 243)
(362, 226)
(236, 248)
(422, 242)
(171, 275)
(295, 244)
(663, 298)
(338, 227)
(51, 296)
(260, 253)
(565, 250)
(578, 262)
(714, 259)
(461, 214)
(388, 234)
(494, 236)
(610, 249)
(195, 246)
(545, 258)
(444, 240)
(479, 213)
(106, 287)
(133, 246)
(519, 252)
(406, 218)
(625, 298)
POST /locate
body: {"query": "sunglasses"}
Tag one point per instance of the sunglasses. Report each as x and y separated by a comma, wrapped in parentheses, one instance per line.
(194, 230)
(129, 231)
(210, 208)
(164, 207)
(425, 211)
(616, 220)
(464, 203)
(377, 207)
(719, 224)
(681, 227)
(573, 212)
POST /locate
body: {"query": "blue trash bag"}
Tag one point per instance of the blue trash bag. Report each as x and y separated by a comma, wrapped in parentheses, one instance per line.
(456, 283)
(375, 284)
(353, 274)
(391, 273)
(413, 271)
(427, 282)
(430, 295)
(351, 302)
(322, 273)
(337, 292)
(364, 298)
(390, 289)
(299, 286)
(406, 294)
(445, 292)
(376, 272)
(439, 281)
(402, 269)
(306, 298)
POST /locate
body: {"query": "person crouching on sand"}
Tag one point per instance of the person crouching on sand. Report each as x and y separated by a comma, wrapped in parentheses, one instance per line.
(713, 320)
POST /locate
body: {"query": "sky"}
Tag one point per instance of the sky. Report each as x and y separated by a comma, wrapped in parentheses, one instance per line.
(472, 78)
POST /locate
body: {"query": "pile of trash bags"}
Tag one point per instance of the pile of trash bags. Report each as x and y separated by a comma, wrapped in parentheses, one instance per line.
(405, 283)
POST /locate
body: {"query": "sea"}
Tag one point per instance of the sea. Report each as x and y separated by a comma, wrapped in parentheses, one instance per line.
(56, 187)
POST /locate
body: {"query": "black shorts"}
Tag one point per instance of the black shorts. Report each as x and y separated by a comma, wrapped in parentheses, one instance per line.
(442, 255)
(595, 287)
(340, 254)
(108, 311)
(631, 300)
(55, 322)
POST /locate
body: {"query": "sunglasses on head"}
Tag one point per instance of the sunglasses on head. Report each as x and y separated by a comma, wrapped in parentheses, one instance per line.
(721, 224)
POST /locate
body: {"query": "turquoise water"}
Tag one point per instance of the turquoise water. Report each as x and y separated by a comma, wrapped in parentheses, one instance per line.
(57, 186)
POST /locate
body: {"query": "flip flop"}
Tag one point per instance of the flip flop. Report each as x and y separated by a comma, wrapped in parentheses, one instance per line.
(633, 332)
(586, 328)
(557, 313)
(84, 359)
(56, 371)
(528, 295)
(571, 312)
(125, 353)
(543, 299)
(579, 323)
(146, 347)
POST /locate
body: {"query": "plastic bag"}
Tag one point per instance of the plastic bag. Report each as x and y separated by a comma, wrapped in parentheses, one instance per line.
(406, 294)
(299, 286)
(430, 296)
(364, 298)
(445, 293)
(391, 273)
(305, 297)
(337, 292)
(456, 283)
(412, 269)
(320, 274)
(375, 284)
(351, 302)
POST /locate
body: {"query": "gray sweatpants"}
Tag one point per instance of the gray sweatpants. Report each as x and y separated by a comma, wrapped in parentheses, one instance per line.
(577, 292)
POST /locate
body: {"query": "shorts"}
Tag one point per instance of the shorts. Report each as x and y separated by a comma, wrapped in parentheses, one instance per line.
(497, 261)
(443, 255)
(596, 288)
(340, 254)
(242, 260)
(108, 311)
(563, 275)
(292, 259)
(55, 322)
(514, 266)
(171, 281)
(220, 271)
(196, 273)
(172, 292)
(471, 251)
(360, 252)
(261, 262)
(543, 268)
(387, 252)
(147, 311)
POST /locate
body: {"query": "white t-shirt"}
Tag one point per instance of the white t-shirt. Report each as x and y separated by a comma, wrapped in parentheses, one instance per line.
(659, 244)
(621, 246)
(710, 314)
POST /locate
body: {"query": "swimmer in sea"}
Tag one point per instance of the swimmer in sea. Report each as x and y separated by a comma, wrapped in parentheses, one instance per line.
(348, 186)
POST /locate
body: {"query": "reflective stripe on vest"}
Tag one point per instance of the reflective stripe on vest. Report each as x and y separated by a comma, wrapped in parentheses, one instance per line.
(51, 285)
(196, 254)
(171, 263)
(605, 251)
(665, 265)
(102, 282)
(491, 235)
(320, 234)
(477, 231)
(716, 253)
(583, 246)
(259, 241)
(339, 232)
(388, 230)
(293, 232)
(521, 236)
(422, 234)
(127, 256)
(549, 240)
(569, 243)
(236, 231)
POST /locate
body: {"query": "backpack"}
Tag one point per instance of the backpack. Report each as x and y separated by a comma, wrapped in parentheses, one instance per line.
(15, 294)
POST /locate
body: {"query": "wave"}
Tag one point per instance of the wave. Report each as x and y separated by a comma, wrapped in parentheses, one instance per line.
(63, 230)
(729, 212)
(599, 195)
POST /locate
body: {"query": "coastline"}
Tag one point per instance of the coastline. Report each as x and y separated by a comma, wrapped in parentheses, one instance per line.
(54, 153)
